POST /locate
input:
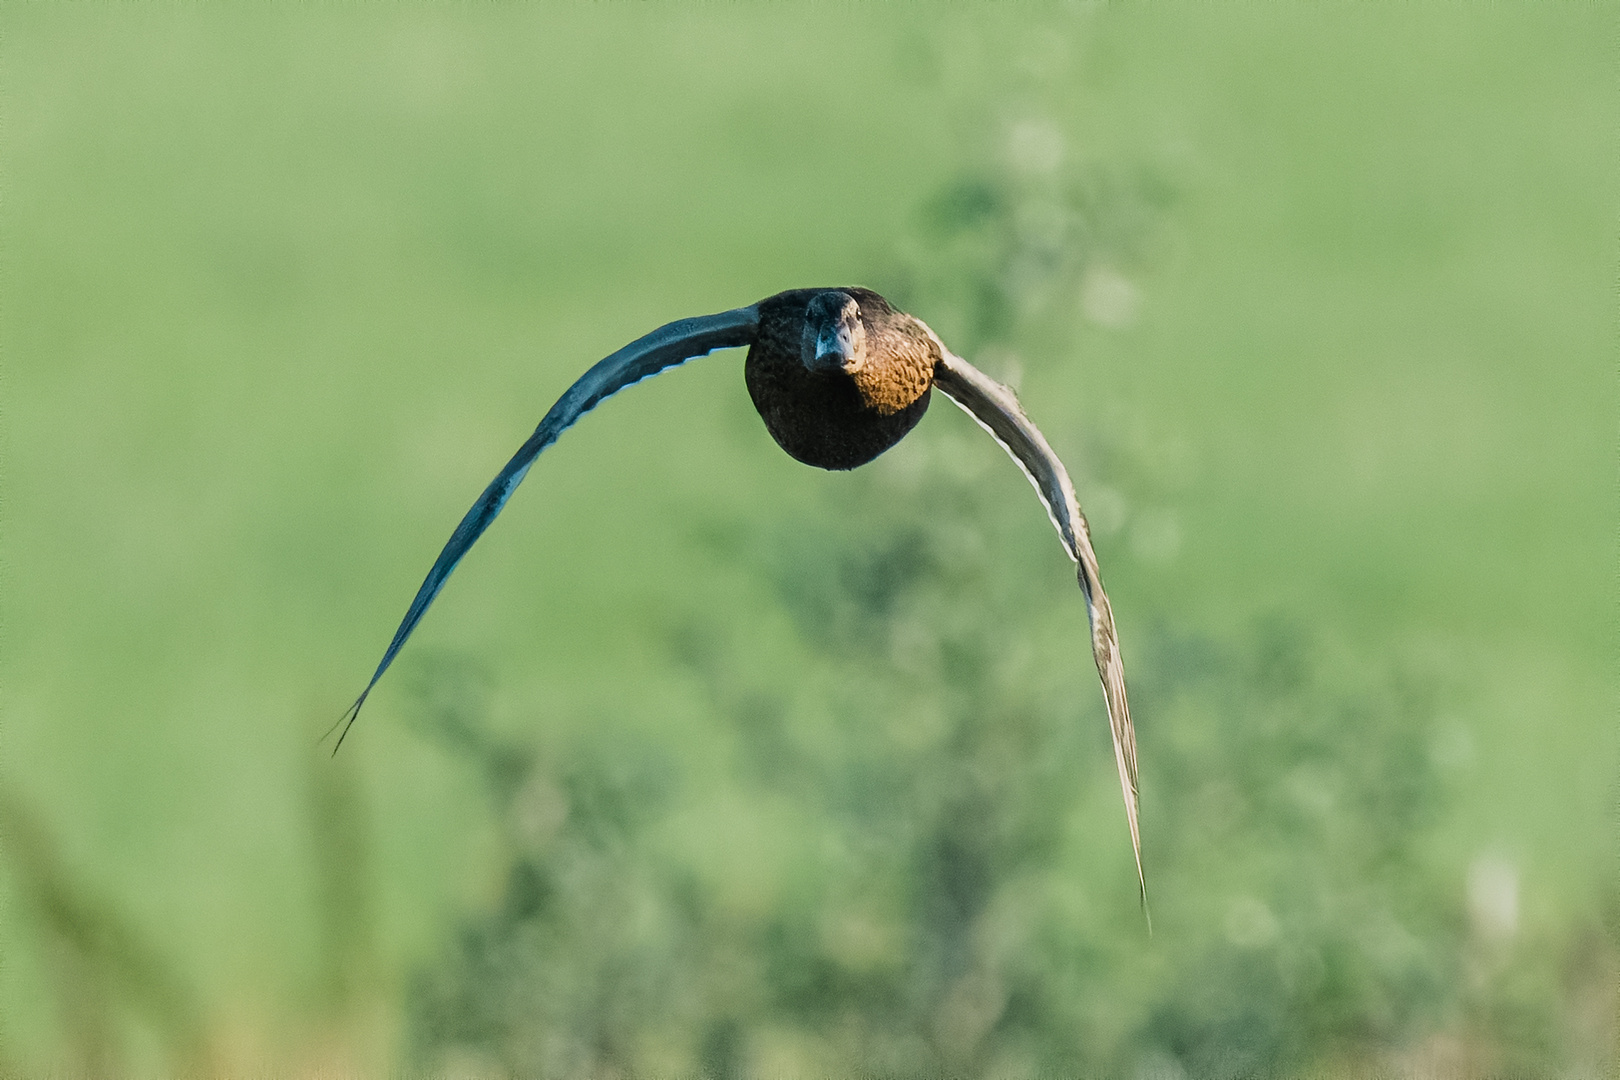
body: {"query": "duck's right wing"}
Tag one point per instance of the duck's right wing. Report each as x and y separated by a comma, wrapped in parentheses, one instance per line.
(665, 347)
(996, 409)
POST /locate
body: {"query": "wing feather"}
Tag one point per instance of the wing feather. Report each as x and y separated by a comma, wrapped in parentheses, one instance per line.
(996, 409)
(643, 358)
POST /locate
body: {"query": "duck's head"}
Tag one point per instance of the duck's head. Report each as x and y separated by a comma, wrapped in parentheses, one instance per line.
(834, 335)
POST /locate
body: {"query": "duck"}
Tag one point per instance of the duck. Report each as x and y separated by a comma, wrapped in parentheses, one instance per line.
(838, 375)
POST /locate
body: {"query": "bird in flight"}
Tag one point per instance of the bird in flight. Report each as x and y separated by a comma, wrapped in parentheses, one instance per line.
(838, 376)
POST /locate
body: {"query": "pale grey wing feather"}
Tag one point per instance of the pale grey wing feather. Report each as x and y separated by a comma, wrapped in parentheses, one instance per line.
(665, 347)
(996, 409)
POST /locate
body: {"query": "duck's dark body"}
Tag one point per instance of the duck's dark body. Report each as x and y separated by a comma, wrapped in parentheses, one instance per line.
(839, 419)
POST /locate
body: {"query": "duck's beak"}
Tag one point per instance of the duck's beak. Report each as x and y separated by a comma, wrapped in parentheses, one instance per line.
(835, 348)
(834, 338)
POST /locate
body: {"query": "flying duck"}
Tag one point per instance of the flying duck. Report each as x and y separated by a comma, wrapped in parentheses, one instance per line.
(839, 376)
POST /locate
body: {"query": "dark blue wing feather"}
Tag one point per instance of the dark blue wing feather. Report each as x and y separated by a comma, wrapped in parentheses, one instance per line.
(665, 347)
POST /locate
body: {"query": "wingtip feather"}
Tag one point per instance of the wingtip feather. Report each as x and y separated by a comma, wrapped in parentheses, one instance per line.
(346, 721)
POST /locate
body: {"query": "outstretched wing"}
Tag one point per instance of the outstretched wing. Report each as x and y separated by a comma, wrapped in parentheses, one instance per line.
(665, 347)
(996, 409)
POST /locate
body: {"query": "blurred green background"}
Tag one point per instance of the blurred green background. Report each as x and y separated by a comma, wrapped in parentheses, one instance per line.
(707, 763)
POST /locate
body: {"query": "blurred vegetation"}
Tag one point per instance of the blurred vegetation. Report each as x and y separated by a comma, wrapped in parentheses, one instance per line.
(710, 765)
(944, 921)
(97, 960)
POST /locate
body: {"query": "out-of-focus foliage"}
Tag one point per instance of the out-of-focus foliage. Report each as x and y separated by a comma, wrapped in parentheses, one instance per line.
(947, 918)
(943, 913)
(710, 764)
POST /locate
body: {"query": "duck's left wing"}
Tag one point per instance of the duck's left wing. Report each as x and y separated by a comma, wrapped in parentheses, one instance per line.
(996, 409)
(665, 347)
